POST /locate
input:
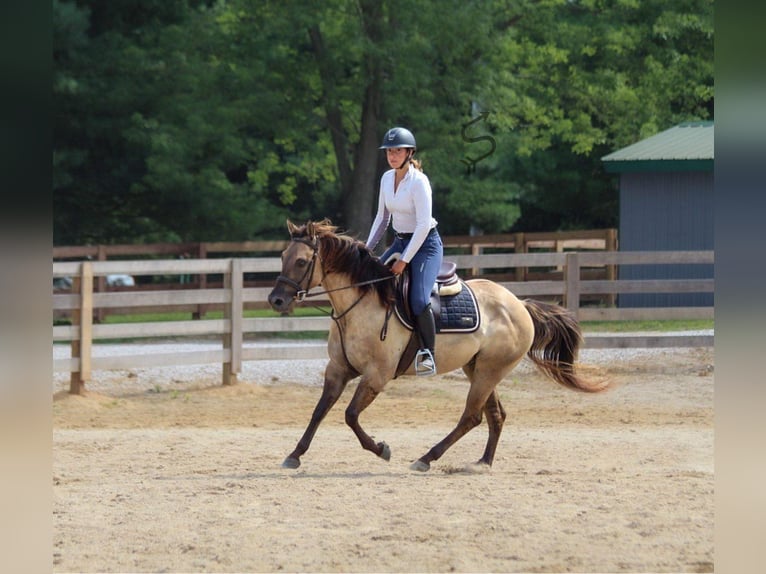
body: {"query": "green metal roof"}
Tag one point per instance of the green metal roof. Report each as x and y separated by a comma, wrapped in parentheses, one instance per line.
(685, 147)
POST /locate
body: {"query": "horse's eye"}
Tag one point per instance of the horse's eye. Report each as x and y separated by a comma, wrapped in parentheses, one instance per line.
(301, 262)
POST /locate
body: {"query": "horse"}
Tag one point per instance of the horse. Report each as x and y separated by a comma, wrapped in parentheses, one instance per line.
(363, 343)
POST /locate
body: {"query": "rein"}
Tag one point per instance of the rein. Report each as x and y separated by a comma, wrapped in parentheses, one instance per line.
(302, 294)
(361, 284)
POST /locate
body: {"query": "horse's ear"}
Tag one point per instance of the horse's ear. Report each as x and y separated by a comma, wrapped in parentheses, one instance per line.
(291, 228)
(311, 230)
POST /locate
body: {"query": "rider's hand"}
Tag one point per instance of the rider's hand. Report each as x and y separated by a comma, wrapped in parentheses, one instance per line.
(398, 267)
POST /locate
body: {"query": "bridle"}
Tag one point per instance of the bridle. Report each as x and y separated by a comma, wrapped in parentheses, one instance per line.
(300, 292)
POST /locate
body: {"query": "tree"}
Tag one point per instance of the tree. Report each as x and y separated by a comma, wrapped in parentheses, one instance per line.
(376, 64)
(104, 78)
(217, 120)
(577, 79)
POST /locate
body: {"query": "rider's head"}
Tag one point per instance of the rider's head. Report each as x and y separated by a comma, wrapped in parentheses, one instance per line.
(399, 142)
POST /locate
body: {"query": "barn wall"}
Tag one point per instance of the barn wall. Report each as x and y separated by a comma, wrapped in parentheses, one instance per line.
(666, 212)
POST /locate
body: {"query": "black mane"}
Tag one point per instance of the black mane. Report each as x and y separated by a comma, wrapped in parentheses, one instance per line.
(341, 253)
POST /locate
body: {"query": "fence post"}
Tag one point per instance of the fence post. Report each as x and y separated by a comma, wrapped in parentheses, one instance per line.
(520, 246)
(232, 340)
(100, 285)
(572, 283)
(475, 250)
(558, 247)
(82, 347)
(610, 244)
(201, 308)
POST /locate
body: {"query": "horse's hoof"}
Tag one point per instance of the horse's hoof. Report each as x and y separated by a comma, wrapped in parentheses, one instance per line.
(420, 466)
(385, 451)
(291, 462)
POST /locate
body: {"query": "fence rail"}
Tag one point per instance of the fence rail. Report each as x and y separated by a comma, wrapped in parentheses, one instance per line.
(557, 241)
(232, 297)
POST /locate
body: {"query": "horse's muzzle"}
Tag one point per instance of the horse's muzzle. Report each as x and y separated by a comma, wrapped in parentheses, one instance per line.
(279, 301)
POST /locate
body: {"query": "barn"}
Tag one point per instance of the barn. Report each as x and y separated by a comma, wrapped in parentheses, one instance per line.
(666, 204)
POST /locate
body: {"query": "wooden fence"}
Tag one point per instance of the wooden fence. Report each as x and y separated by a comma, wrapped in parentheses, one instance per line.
(232, 297)
(556, 242)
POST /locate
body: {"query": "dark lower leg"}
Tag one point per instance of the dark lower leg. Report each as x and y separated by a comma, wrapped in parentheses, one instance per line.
(330, 395)
(363, 396)
(466, 423)
(495, 420)
(471, 417)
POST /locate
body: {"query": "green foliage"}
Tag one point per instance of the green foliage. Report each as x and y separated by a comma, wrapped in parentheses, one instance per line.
(578, 79)
(217, 120)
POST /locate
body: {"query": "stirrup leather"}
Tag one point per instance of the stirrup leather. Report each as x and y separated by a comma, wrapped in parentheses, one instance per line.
(425, 365)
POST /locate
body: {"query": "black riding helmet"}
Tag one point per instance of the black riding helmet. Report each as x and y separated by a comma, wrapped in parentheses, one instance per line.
(400, 138)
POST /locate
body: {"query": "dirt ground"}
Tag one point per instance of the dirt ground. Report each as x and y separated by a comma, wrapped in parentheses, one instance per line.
(190, 481)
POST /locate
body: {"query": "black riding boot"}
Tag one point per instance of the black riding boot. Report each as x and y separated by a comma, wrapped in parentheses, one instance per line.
(425, 363)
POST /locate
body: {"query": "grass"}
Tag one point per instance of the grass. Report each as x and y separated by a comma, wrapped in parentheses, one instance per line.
(587, 326)
(186, 316)
(662, 326)
(312, 311)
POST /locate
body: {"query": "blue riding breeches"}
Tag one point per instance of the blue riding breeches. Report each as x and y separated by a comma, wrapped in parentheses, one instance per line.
(424, 268)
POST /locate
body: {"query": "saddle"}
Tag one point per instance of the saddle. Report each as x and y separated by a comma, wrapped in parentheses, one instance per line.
(452, 301)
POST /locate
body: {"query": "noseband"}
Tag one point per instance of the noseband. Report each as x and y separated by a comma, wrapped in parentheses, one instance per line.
(300, 291)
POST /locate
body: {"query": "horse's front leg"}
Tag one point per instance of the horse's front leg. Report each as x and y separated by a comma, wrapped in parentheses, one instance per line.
(364, 395)
(335, 380)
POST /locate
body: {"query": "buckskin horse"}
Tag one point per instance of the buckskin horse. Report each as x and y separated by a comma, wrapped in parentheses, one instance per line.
(363, 342)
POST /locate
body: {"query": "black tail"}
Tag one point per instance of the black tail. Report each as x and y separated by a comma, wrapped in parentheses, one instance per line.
(556, 344)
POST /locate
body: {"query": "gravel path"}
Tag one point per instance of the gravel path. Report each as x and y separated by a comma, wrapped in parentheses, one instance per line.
(264, 372)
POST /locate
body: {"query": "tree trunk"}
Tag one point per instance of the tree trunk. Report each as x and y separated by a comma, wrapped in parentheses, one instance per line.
(332, 113)
(360, 201)
(358, 180)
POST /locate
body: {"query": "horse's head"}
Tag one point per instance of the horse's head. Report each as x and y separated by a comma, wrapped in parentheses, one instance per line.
(300, 271)
(317, 251)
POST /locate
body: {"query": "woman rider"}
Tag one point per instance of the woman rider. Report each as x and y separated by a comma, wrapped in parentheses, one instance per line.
(404, 201)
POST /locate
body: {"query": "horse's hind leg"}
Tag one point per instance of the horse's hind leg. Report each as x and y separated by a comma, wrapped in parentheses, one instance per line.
(335, 380)
(364, 395)
(471, 417)
(495, 419)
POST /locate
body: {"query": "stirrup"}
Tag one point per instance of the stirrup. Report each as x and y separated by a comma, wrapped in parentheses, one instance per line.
(425, 365)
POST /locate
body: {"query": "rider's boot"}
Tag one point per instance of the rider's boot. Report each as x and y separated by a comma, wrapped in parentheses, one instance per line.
(425, 363)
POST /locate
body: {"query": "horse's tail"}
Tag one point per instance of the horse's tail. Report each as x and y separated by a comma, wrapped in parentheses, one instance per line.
(557, 341)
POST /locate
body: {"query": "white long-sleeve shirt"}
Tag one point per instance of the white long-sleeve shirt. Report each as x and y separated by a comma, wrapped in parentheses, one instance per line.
(409, 208)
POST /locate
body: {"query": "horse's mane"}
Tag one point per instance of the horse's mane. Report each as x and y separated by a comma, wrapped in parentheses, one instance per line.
(342, 253)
